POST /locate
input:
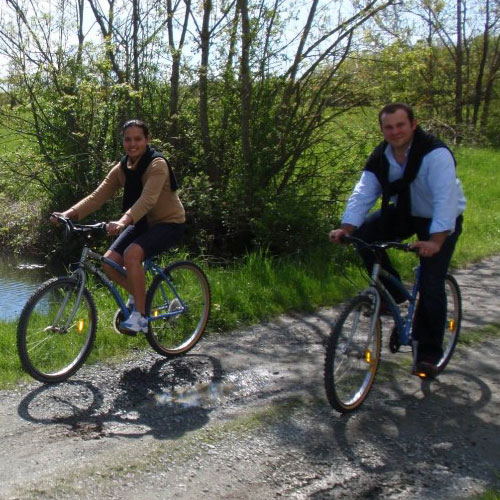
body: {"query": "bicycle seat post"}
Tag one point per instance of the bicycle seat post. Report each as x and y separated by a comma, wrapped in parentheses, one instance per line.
(375, 272)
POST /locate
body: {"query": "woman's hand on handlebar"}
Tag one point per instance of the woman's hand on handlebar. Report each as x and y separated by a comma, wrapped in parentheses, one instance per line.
(54, 218)
(117, 226)
(114, 227)
(67, 214)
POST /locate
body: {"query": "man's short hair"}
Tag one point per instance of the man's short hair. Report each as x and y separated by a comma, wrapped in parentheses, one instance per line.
(392, 108)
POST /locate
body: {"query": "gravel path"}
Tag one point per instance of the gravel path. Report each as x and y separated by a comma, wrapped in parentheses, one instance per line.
(244, 416)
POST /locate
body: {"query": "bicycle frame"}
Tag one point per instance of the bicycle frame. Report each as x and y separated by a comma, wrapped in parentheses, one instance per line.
(85, 266)
(403, 325)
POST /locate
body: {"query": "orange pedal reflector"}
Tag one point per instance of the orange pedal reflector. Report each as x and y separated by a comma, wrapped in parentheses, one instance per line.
(80, 325)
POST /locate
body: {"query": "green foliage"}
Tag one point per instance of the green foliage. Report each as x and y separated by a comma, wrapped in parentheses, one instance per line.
(493, 494)
(492, 130)
(20, 227)
(272, 185)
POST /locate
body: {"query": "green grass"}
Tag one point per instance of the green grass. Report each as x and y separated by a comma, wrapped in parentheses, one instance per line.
(478, 169)
(10, 373)
(474, 336)
(261, 286)
(489, 495)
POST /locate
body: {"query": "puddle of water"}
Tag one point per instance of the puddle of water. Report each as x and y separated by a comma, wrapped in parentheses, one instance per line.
(19, 278)
(210, 393)
(199, 395)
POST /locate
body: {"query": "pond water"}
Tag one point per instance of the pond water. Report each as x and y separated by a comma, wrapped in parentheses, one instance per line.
(19, 278)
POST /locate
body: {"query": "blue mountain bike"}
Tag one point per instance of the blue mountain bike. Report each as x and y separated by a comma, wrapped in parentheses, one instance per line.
(58, 324)
(354, 346)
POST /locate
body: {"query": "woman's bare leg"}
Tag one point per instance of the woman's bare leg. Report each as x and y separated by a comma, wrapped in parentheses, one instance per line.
(112, 273)
(136, 279)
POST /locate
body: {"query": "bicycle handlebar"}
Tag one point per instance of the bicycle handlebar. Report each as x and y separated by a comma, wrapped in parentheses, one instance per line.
(71, 227)
(405, 247)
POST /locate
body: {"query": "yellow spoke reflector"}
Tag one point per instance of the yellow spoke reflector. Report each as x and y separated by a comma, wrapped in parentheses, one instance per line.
(155, 313)
(368, 356)
(451, 325)
(80, 325)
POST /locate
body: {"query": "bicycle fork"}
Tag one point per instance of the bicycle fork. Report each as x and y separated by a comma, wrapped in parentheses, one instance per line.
(80, 278)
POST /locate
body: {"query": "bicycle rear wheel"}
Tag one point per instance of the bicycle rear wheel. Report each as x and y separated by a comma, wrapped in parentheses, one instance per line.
(185, 297)
(453, 320)
(56, 330)
(352, 355)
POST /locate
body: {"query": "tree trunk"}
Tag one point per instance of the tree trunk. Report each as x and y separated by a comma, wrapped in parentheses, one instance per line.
(246, 85)
(482, 65)
(203, 82)
(493, 69)
(135, 54)
(176, 67)
(458, 68)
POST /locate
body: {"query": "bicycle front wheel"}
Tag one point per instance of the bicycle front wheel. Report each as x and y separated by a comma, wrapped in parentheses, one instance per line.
(352, 355)
(178, 308)
(56, 330)
(453, 320)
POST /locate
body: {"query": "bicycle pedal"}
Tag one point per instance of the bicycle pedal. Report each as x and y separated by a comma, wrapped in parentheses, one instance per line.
(128, 333)
(117, 319)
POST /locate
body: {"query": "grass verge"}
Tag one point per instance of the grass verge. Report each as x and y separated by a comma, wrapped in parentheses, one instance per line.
(489, 495)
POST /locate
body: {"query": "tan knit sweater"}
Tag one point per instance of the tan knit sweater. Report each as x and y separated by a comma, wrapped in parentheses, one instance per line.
(157, 201)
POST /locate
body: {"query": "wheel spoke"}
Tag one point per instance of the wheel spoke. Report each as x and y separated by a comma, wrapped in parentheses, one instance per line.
(353, 354)
(56, 330)
(178, 309)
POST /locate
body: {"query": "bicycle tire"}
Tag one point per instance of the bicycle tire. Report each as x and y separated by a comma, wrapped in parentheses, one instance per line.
(352, 357)
(49, 350)
(453, 320)
(178, 334)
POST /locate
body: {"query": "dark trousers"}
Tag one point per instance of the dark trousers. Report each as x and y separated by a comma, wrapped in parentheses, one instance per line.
(430, 316)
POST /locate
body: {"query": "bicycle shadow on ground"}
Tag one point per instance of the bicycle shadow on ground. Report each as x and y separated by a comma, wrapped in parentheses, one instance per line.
(444, 424)
(162, 400)
(410, 434)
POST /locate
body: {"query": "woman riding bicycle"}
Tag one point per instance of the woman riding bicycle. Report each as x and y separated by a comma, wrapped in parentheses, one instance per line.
(153, 217)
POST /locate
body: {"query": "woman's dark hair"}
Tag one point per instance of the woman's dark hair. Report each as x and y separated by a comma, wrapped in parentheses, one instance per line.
(392, 108)
(136, 123)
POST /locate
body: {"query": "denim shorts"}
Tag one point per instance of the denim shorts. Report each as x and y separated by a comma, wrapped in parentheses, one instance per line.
(153, 240)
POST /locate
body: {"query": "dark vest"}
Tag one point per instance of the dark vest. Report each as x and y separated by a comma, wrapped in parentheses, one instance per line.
(378, 164)
(133, 178)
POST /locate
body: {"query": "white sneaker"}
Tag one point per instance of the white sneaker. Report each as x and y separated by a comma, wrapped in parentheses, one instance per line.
(136, 322)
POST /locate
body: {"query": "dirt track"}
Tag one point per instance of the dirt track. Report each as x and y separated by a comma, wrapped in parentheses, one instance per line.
(245, 417)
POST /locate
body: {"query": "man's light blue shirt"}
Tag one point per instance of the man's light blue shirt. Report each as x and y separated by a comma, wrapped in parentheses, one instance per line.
(436, 193)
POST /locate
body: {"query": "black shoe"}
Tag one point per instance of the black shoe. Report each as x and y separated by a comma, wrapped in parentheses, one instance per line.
(426, 369)
(384, 310)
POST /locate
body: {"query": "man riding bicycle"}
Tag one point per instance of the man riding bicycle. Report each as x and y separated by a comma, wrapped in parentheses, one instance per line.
(415, 174)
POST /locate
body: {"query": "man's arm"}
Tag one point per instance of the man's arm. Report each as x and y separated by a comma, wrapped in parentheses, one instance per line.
(442, 183)
(362, 199)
